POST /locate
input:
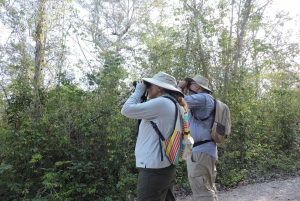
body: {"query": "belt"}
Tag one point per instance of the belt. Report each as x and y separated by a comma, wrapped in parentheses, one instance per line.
(201, 142)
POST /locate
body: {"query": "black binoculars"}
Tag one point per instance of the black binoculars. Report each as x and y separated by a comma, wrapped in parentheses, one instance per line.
(144, 96)
(134, 83)
(148, 84)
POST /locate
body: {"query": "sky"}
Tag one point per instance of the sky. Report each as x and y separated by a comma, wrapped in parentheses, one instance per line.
(288, 5)
(291, 6)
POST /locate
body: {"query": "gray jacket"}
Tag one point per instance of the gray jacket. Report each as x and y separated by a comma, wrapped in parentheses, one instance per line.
(159, 110)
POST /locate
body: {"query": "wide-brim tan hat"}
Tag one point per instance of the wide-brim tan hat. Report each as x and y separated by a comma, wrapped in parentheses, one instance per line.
(202, 81)
(165, 81)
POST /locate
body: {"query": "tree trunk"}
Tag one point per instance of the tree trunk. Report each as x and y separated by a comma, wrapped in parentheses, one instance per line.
(240, 35)
(229, 50)
(39, 60)
(201, 61)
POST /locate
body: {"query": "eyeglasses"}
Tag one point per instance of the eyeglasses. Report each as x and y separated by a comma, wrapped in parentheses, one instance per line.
(148, 85)
(191, 83)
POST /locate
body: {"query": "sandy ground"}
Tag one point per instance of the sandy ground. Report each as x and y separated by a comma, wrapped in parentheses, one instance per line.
(277, 190)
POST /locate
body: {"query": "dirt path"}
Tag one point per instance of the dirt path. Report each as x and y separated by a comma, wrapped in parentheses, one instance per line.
(277, 190)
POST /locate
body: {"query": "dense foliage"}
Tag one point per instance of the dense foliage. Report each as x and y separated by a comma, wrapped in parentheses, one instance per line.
(62, 136)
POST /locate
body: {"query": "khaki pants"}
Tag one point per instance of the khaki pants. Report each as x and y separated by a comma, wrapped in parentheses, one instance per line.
(202, 172)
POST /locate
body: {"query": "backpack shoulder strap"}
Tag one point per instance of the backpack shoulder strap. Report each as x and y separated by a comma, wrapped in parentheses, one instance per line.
(157, 129)
(176, 116)
(213, 112)
(176, 110)
(209, 130)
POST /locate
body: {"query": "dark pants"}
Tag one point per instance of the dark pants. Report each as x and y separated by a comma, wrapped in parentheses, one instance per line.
(156, 184)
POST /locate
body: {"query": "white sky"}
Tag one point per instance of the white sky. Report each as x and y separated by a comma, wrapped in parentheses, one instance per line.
(291, 6)
(288, 5)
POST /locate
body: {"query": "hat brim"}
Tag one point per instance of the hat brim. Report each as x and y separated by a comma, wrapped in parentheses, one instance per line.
(188, 79)
(163, 85)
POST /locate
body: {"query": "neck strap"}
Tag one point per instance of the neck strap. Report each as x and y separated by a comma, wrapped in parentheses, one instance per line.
(193, 91)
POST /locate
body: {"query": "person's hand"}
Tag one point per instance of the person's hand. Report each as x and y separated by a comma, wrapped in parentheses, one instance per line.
(141, 85)
(183, 86)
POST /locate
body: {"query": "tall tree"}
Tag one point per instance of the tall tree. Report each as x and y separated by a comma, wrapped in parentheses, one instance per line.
(39, 58)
